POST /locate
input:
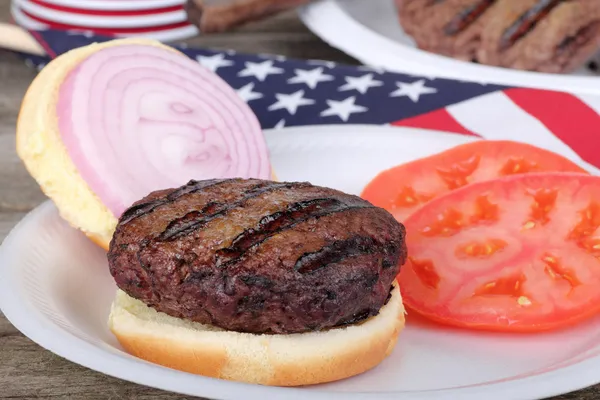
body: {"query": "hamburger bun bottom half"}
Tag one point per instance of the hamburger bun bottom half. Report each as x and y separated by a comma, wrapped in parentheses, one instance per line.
(274, 360)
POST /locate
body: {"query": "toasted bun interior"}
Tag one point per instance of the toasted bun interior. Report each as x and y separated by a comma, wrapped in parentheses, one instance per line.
(277, 360)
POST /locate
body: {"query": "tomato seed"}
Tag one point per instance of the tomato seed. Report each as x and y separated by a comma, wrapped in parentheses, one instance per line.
(481, 249)
(555, 270)
(506, 286)
(425, 271)
(447, 223)
(408, 197)
(456, 176)
(528, 225)
(524, 301)
(544, 202)
(588, 223)
(485, 211)
(518, 166)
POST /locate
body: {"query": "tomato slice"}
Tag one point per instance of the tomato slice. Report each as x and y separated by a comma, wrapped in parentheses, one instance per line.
(519, 253)
(403, 189)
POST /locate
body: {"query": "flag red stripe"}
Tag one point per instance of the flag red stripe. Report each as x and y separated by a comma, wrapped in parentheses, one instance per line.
(439, 120)
(568, 118)
(49, 51)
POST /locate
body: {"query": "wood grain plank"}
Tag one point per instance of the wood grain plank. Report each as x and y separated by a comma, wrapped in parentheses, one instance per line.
(302, 45)
(29, 371)
(19, 191)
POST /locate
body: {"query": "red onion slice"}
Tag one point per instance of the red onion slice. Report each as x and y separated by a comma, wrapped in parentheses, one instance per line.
(137, 118)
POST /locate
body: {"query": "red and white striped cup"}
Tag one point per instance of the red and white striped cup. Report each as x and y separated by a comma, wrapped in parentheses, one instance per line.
(163, 20)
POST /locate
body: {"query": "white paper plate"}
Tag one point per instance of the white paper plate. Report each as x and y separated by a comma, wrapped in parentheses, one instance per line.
(62, 17)
(55, 287)
(370, 32)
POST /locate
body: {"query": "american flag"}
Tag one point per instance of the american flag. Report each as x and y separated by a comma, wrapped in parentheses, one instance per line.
(288, 92)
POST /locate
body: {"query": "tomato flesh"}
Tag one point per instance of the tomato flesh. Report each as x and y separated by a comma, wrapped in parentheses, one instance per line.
(403, 189)
(519, 253)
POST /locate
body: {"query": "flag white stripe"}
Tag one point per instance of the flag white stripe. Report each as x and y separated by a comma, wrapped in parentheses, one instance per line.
(495, 116)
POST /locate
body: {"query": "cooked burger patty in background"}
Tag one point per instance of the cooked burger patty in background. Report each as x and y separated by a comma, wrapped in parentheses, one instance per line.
(539, 35)
(258, 256)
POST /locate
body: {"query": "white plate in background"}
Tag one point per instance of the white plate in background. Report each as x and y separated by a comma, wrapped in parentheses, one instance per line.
(369, 30)
(55, 288)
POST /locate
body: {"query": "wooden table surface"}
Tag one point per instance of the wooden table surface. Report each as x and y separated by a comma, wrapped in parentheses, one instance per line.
(28, 371)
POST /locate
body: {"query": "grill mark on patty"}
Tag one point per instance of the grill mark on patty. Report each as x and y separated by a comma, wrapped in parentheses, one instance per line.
(579, 38)
(194, 220)
(188, 221)
(338, 251)
(467, 16)
(142, 209)
(527, 22)
(278, 222)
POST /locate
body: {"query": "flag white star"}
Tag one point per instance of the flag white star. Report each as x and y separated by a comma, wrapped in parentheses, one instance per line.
(214, 62)
(328, 64)
(362, 84)
(311, 77)
(412, 90)
(280, 124)
(260, 70)
(290, 102)
(246, 93)
(343, 108)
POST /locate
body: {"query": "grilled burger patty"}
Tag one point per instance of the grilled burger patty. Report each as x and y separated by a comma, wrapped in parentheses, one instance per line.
(448, 27)
(541, 35)
(258, 256)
